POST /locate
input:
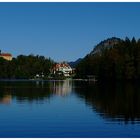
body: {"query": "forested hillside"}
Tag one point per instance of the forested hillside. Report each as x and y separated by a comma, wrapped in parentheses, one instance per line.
(25, 67)
(120, 60)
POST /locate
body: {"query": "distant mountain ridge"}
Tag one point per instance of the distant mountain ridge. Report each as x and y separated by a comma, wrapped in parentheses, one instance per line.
(108, 43)
(74, 63)
(112, 59)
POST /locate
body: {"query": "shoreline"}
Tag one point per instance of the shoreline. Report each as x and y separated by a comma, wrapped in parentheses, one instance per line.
(24, 80)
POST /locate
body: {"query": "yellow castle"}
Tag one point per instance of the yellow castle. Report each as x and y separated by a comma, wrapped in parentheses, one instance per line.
(6, 56)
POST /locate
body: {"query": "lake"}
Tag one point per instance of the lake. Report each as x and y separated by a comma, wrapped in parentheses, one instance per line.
(70, 109)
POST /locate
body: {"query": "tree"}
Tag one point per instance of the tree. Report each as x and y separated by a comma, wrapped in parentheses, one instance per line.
(25, 66)
(121, 61)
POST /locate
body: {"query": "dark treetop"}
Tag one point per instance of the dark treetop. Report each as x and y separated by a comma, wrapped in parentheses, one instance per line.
(112, 59)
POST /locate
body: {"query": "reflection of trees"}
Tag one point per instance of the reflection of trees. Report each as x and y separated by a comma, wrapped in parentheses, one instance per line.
(116, 102)
(25, 91)
(33, 91)
(61, 88)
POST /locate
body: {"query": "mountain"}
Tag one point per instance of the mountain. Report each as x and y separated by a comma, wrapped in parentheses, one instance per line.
(74, 63)
(108, 43)
(112, 59)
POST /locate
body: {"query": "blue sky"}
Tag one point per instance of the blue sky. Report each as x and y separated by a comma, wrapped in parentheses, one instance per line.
(64, 31)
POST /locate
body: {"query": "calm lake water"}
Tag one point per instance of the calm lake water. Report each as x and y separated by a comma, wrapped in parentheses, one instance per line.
(69, 109)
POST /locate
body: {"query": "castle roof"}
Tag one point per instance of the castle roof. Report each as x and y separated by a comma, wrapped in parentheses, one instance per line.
(5, 54)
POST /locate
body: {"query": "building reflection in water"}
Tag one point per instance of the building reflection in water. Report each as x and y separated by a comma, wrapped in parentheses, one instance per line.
(39, 83)
(5, 96)
(6, 99)
(24, 91)
(62, 88)
(58, 87)
(33, 91)
(117, 102)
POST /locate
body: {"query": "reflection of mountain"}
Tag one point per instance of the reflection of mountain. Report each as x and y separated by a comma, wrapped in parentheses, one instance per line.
(62, 88)
(116, 102)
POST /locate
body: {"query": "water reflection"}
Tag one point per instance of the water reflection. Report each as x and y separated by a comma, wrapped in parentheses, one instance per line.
(6, 99)
(23, 91)
(117, 102)
(33, 91)
(114, 102)
(59, 87)
(62, 88)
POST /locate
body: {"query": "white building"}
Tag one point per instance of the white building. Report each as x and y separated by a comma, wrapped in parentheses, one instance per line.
(64, 68)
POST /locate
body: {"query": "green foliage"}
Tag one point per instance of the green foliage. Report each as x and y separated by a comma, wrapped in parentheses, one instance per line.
(122, 61)
(25, 67)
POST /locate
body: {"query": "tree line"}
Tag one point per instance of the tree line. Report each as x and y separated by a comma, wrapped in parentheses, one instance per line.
(25, 67)
(120, 62)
